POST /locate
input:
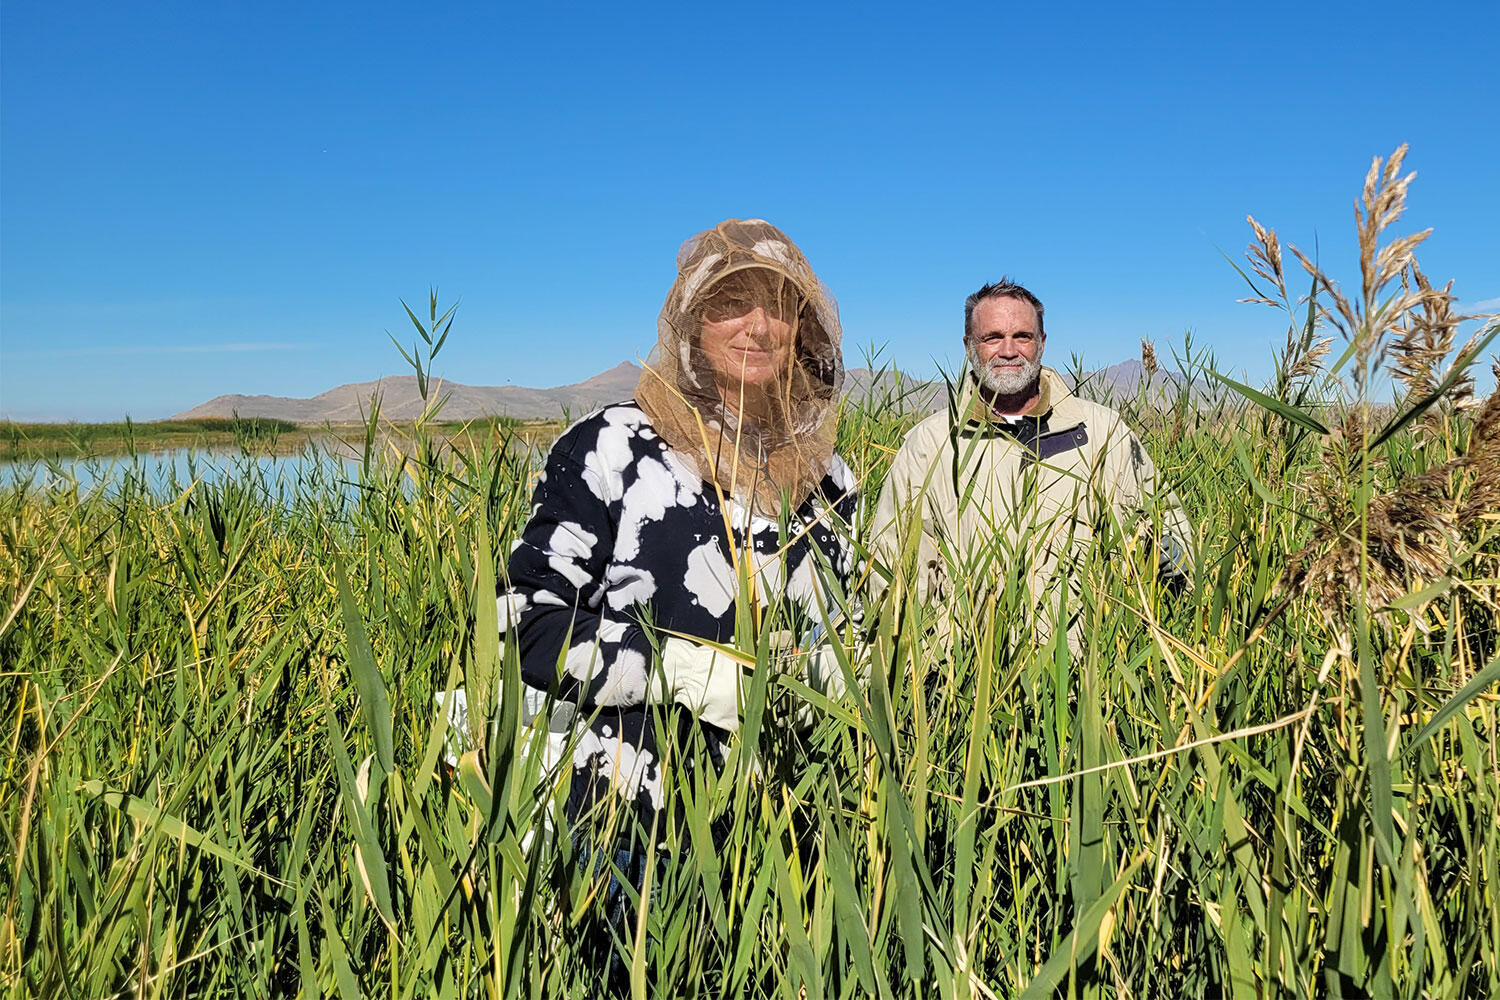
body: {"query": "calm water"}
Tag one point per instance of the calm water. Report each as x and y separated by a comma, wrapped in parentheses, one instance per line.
(170, 473)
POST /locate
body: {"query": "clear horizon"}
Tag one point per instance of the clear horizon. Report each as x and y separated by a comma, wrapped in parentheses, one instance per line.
(200, 200)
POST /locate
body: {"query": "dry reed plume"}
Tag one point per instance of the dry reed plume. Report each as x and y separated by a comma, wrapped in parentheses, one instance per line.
(1302, 359)
(1395, 543)
(1148, 360)
(1366, 322)
(1426, 339)
(1369, 544)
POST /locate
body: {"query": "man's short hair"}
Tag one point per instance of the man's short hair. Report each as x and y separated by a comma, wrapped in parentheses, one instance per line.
(1002, 289)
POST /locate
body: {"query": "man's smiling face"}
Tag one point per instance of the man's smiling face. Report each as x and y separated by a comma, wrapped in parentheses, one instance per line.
(1004, 345)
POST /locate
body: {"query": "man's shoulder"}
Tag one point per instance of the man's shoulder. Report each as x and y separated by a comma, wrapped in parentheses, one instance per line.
(1071, 409)
(929, 434)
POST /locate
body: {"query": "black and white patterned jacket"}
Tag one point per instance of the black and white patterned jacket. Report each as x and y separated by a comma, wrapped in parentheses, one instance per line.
(625, 539)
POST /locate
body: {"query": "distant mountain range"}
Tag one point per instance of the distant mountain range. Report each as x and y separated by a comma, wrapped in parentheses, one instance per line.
(399, 399)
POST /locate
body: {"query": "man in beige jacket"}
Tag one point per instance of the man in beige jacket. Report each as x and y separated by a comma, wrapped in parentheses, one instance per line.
(1019, 473)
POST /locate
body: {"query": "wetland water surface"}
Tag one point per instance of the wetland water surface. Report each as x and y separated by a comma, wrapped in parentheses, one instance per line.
(169, 473)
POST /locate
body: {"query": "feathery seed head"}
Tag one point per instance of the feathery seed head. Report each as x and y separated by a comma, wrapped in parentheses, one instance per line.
(1148, 360)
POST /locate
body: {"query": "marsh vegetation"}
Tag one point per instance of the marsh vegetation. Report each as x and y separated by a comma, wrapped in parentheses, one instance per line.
(41, 442)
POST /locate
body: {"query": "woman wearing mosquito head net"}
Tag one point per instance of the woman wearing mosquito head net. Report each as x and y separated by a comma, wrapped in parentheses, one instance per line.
(655, 516)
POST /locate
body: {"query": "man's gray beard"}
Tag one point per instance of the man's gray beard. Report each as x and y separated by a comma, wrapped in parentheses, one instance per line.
(999, 383)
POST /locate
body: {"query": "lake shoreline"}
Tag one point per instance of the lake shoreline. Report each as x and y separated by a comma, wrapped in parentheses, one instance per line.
(23, 442)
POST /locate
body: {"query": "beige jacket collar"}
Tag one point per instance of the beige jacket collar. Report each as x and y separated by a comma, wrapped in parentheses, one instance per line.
(1051, 390)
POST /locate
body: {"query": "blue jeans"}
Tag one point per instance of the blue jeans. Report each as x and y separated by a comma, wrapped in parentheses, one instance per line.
(631, 863)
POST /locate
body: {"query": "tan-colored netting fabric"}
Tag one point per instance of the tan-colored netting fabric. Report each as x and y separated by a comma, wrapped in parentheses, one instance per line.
(746, 372)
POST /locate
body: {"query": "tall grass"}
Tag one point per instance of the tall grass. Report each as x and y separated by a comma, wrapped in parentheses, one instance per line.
(225, 770)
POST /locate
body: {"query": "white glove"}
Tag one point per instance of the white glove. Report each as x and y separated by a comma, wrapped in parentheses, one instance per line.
(704, 680)
(819, 669)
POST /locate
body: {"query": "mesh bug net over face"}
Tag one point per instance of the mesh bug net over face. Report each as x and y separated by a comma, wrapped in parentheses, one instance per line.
(746, 372)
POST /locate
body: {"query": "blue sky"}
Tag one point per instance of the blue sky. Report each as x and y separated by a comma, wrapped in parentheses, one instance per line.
(223, 197)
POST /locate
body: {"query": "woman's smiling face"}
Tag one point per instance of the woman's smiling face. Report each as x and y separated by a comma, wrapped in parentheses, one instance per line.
(748, 329)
